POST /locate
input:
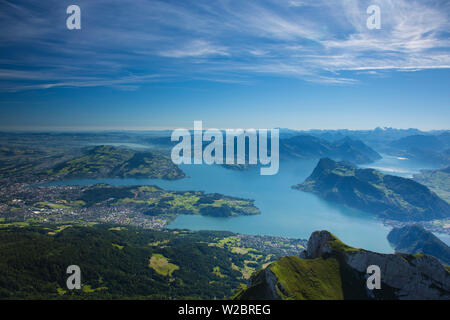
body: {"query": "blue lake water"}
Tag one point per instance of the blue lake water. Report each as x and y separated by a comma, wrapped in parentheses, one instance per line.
(402, 167)
(284, 211)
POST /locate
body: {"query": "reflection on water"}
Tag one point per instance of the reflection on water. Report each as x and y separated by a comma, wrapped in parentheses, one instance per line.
(399, 166)
(444, 237)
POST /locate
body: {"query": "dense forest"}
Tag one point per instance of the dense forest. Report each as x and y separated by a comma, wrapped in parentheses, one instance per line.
(122, 262)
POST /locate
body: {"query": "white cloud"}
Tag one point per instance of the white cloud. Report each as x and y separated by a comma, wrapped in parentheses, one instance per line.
(313, 40)
(196, 48)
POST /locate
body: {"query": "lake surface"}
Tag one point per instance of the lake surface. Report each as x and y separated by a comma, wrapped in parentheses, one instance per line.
(284, 211)
(402, 167)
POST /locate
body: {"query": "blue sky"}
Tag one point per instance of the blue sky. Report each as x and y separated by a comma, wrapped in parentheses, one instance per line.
(163, 64)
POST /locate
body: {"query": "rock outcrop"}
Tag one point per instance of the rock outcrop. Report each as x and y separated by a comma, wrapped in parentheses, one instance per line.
(329, 269)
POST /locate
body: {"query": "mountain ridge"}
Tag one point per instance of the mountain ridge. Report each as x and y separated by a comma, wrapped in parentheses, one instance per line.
(387, 196)
(307, 146)
(416, 240)
(105, 161)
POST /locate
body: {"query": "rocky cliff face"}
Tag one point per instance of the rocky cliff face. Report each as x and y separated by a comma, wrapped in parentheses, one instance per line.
(329, 269)
(409, 276)
(318, 245)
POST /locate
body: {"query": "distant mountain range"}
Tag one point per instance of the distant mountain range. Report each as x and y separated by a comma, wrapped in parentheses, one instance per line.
(390, 197)
(307, 147)
(369, 136)
(431, 147)
(425, 142)
(331, 270)
(434, 149)
(415, 239)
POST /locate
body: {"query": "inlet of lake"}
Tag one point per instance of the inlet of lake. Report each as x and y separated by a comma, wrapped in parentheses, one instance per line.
(284, 211)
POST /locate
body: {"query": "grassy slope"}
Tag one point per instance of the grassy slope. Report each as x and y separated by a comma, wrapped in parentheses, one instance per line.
(161, 264)
(308, 279)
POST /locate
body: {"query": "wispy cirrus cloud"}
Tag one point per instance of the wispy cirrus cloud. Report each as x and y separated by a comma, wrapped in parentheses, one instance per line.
(195, 48)
(125, 43)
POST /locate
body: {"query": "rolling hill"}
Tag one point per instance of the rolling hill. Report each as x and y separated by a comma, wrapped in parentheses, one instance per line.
(113, 162)
(307, 147)
(433, 149)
